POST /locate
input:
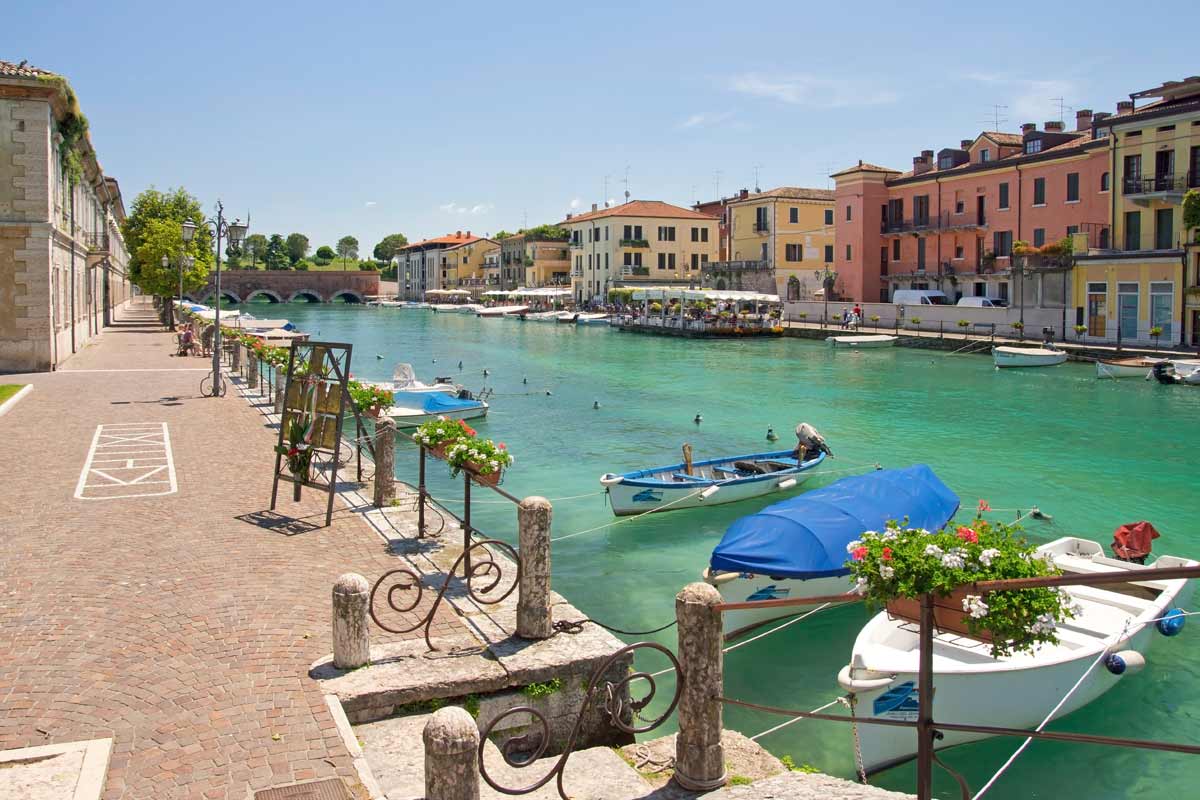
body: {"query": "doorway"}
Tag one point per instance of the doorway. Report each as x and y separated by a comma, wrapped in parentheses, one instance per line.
(1127, 311)
(1097, 302)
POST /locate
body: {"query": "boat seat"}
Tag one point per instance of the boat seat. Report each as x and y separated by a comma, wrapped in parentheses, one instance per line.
(683, 476)
(731, 472)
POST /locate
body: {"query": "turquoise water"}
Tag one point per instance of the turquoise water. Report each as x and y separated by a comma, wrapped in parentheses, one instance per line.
(1092, 454)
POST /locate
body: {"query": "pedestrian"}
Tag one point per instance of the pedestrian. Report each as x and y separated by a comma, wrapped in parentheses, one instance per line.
(845, 317)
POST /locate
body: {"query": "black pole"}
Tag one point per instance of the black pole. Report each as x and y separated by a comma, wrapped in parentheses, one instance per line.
(358, 448)
(467, 523)
(925, 730)
(421, 495)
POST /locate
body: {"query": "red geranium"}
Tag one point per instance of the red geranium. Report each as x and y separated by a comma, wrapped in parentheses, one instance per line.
(887, 554)
(859, 553)
(983, 506)
(968, 535)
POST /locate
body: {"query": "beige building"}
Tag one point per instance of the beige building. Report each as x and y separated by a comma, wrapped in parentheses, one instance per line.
(62, 258)
(779, 240)
(642, 241)
(532, 259)
(472, 265)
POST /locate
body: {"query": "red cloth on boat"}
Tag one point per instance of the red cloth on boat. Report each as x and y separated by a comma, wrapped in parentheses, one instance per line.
(1133, 540)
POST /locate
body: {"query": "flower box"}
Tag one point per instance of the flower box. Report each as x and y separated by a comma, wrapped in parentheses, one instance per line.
(491, 479)
(438, 450)
(948, 614)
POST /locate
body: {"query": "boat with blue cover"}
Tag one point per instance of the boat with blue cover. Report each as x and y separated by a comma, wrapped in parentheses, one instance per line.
(797, 547)
(412, 408)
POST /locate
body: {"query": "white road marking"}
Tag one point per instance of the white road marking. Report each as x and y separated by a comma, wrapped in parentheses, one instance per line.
(125, 457)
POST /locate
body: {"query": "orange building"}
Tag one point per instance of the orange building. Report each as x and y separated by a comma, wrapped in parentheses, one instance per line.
(950, 222)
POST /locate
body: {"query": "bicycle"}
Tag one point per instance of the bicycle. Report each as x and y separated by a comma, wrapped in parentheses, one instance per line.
(206, 388)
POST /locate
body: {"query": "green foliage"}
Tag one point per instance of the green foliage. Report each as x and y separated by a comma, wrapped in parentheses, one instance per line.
(276, 255)
(740, 780)
(387, 247)
(145, 263)
(326, 252)
(624, 296)
(73, 128)
(964, 323)
(1156, 331)
(1018, 325)
(366, 397)
(544, 689)
(441, 430)
(303, 265)
(914, 321)
(482, 456)
(546, 233)
(1191, 209)
(347, 248)
(790, 764)
(255, 247)
(1080, 330)
(296, 246)
(501, 234)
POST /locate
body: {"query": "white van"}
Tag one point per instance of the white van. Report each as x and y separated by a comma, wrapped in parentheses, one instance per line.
(982, 302)
(920, 297)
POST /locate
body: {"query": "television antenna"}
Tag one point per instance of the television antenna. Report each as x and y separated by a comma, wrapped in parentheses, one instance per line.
(605, 198)
(998, 117)
(717, 183)
(1061, 102)
(626, 182)
(757, 167)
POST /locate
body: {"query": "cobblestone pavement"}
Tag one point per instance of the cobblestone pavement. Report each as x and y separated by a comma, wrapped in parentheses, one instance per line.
(173, 624)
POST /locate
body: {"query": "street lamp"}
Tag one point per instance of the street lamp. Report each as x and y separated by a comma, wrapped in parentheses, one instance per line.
(166, 262)
(236, 232)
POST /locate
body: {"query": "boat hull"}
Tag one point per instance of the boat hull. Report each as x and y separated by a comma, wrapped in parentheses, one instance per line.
(412, 417)
(862, 342)
(1125, 368)
(631, 498)
(744, 586)
(1020, 357)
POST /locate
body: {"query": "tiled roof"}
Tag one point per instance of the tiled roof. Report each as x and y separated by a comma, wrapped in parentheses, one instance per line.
(1007, 139)
(22, 70)
(472, 240)
(640, 208)
(1081, 142)
(450, 238)
(864, 166)
(789, 193)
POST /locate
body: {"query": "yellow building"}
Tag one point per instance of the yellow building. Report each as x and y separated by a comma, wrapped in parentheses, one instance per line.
(475, 264)
(1147, 279)
(786, 232)
(642, 241)
(535, 258)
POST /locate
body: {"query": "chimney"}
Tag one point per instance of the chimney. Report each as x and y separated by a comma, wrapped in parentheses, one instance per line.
(594, 207)
(1124, 107)
(1028, 127)
(458, 234)
(964, 144)
(569, 215)
(1083, 119)
(1054, 126)
(743, 194)
(468, 234)
(927, 155)
(922, 163)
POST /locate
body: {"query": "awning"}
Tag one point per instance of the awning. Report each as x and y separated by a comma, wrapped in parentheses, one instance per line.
(806, 536)
(678, 293)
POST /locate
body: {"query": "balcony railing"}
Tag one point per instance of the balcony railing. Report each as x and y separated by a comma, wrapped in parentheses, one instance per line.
(96, 242)
(576, 245)
(939, 222)
(634, 243)
(735, 266)
(761, 227)
(1136, 184)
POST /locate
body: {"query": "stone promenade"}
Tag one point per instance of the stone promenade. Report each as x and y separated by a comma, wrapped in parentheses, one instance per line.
(180, 625)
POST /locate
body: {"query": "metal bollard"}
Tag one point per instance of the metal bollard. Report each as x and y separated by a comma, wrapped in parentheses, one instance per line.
(385, 461)
(699, 756)
(351, 639)
(451, 740)
(534, 618)
(280, 386)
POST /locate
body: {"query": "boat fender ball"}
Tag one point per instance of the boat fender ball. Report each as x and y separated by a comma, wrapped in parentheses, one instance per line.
(1126, 661)
(1171, 623)
(595, 404)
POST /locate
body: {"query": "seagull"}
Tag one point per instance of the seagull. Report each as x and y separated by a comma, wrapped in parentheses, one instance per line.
(698, 418)
(486, 373)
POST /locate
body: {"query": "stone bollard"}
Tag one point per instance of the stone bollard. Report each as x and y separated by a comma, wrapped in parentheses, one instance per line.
(534, 620)
(237, 356)
(385, 461)
(252, 369)
(280, 386)
(699, 757)
(451, 755)
(351, 631)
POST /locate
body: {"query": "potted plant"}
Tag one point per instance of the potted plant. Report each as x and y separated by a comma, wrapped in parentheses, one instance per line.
(298, 450)
(895, 567)
(803, 315)
(874, 320)
(368, 399)
(1080, 330)
(1019, 326)
(1156, 332)
(438, 434)
(484, 459)
(915, 322)
(964, 324)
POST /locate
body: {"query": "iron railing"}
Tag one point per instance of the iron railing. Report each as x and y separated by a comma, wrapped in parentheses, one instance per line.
(634, 243)
(761, 227)
(735, 266)
(97, 241)
(945, 221)
(1136, 184)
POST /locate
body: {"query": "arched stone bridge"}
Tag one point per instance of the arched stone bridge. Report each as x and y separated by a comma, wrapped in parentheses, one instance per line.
(287, 286)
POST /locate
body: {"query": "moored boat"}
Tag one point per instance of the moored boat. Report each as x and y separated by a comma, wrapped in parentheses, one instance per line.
(1139, 367)
(404, 379)
(566, 317)
(501, 311)
(1004, 356)
(797, 547)
(1186, 372)
(410, 409)
(541, 316)
(864, 341)
(592, 319)
(1016, 691)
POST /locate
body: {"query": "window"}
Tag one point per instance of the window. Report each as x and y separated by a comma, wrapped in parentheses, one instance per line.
(695, 234)
(1039, 191)
(1162, 301)
(695, 261)
(848, 251)
(589, 234)
(1104, 238)
(670, 261)
(985, 155)
(704, 234)
(946, 162)
(980, 289)
(921, 210)
(1133, 167)
(1033, 146)
(1002, 288)
(829, 253)
(760, 218)
(895, 250)
(1002, 243)
(1133, 230)
(793, 215)
(699, 234)
(765, 256)
(1003, 197)
(794, 252)
(921, 254)
(628, 259)
(1164, 229)
(1072, 187)
(1104, 181)
(662, 260)
(1072, 230)
(1039, 237)
(628, 233)
(666, 233)
(958, 252)
(829, 216)
(606, 262)
(849, 215)
(895, 213)
(959, 207)
(606, 233)
(589, 262)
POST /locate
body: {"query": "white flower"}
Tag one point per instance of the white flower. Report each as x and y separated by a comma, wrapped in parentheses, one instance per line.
(860, 583)
(988, 555)
(932, 550)
(1045, 624)
(954, 559)
(973, 604)
(922, 531)
(886, 571)
(850, 548)
(890, 534)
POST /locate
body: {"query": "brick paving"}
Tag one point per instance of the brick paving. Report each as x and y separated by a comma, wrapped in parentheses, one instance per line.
(166, 623)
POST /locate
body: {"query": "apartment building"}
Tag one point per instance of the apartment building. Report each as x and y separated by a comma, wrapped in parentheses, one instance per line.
(780, 241)
(62, 258)
(640, 241)
(473, 264)
(951, 222)
(535, 258)
(1149, 276)
(419, 265)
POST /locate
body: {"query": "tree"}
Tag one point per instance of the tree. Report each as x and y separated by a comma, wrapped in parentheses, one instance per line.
(175, 205)
(297, 246)
(255, 247)
(1191, 211)
(276, 256)
(326, 252)
(347, 248)
(501, 234)
(388, 246)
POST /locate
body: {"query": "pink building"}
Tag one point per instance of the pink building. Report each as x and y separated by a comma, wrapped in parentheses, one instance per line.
(950, 222)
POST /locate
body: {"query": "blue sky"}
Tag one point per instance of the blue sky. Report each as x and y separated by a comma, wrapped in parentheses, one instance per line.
(372, 118)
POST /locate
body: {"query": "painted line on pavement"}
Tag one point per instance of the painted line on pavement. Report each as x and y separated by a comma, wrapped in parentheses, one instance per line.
(117, 462)
(8, 404)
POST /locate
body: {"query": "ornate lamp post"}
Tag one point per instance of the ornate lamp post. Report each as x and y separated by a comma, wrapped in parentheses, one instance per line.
(236, 232)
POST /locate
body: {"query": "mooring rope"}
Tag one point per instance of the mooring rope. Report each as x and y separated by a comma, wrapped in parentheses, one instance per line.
(781, 725)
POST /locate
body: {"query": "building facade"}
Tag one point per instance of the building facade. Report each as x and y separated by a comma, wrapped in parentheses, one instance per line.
(641, 241)
(419, 265)
(62, 258)
(533, 260)
(473, 264)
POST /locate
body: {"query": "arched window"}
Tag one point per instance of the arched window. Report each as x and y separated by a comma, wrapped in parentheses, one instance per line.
(793, 289)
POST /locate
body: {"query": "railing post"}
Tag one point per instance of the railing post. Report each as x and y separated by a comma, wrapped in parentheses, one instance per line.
(421, 494)
(699, 756)
(451, 740)
(351, 642)
(237, 356)
(252, 368)
(534, 620)
(925, 730)
(280, 387)
(466, 523)
(385, 461)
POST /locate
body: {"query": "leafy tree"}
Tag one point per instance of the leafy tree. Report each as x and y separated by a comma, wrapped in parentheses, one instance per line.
(326, 252)
(347, 248)
(547, 233)
(255, 247)
(303, 265)
(159, 237)
(174, 206)
(297, 246)
(501, 234)
(276, 256)
(387, 248)
(1191, 210)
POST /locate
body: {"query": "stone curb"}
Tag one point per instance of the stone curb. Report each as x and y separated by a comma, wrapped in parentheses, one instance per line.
(8, 404)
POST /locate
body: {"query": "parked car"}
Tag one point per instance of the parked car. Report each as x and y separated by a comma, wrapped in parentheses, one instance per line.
(920, 297)
(982, 302)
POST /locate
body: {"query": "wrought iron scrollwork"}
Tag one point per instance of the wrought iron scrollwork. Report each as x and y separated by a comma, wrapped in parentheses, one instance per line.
(486, 570)
(523, 750)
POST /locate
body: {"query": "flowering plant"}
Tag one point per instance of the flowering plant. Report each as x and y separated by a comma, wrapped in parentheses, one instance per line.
(298, 450)
(442, 430)
(367, 397)
(484, 456)
(903, 562)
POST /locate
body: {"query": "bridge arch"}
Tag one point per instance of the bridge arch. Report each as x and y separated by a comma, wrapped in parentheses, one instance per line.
(306, 295)
(226, 296)
(346, 295)
(270, 294)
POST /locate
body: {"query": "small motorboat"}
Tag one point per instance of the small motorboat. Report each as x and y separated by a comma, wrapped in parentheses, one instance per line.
(1048, 356)
(445, 308)
(592, 319)
(541, 316)
(566, 317)
(410, 409)
(1139, 367)
(1186, 372)
(501, 311)
(404, 379)
(797, 547)
(1016, 691)
(469, 308)
(865, 341)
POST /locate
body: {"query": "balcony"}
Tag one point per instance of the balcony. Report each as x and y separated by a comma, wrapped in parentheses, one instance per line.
(1164, 188)
(761, 226)
(932, 224)
(576, 245)
(637, 243)
(97, 247)
(735, 266)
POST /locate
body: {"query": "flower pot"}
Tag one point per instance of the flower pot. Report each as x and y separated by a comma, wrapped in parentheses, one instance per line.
(373, 412)
(491, 479)
(948, 614)
(438, 450)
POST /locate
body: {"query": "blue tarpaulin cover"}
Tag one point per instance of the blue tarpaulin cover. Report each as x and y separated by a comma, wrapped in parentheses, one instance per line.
(434, 402)
(806, 536)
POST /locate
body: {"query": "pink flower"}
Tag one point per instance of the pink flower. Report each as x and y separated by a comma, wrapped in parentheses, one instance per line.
(501, 446)
(983, 506)
(968, 535)
(859, 553)
(887, 554)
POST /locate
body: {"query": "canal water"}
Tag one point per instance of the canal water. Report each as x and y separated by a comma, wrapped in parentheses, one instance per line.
(1091, 454)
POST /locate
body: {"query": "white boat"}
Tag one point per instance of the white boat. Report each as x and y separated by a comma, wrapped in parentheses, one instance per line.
(864, 341)
(445, 308)
(386, 304)
(797, 547)
(541, 316)
(1139, 367)
(404, 379)
(1004, 356)
(566, 317)
(592, 319)
(1185, 371)
(410, 409)
(1016, 691)
(501, 311)
(469, 308)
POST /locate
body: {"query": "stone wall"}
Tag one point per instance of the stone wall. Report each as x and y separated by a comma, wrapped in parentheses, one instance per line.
(282, 286)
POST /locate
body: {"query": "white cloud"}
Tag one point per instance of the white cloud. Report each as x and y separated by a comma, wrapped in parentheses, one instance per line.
(576, 203)
(454, 208)
(705, 119)
(810, 90)
(369, 203)
(1028, 100)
